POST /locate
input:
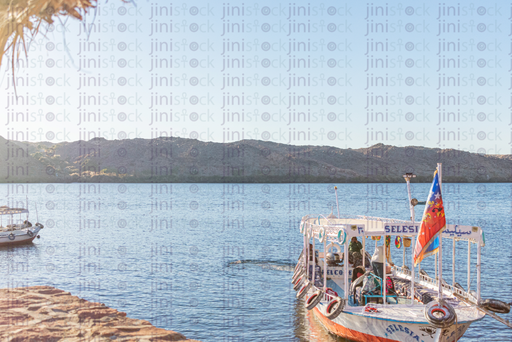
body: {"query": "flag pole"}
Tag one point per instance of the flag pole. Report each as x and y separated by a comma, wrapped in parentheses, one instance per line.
(407, 178)
(440, 279)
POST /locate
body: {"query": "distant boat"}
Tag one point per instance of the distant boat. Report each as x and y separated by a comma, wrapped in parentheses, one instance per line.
(17, 231)
(400, 304)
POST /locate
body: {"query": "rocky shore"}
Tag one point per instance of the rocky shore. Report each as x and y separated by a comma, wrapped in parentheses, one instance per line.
(45, 313)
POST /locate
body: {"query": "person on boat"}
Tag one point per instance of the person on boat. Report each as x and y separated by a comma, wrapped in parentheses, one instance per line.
(378, 260)
(355, 246)
(354, 251)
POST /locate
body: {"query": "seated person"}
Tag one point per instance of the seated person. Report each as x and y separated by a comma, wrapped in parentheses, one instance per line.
(355, 246)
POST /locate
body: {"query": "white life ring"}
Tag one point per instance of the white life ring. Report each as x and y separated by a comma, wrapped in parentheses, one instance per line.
(342, 236)
(304, 230)
(334, 244)
(321, 235)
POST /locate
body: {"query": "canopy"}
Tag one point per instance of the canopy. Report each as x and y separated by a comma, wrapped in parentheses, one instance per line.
(5, 210)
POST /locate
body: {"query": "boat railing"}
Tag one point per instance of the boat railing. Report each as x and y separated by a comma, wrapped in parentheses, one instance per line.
(327, 296)
(433, 282)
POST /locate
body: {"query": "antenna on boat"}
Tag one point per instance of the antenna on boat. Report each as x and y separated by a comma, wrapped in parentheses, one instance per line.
(37, 215)
(412, 202)
(337, 204)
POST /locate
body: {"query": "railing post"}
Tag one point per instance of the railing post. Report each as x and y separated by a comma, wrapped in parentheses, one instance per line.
(453, 262)
(469, 266)
(384, 287)
(413, 271)
(325, 263)
(345, 275)
(478, 264)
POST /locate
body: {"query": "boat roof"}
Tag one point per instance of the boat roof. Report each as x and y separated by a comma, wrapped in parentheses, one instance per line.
(358, 226)
(5, 210)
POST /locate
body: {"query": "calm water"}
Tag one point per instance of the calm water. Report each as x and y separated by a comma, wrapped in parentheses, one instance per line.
(166, 253)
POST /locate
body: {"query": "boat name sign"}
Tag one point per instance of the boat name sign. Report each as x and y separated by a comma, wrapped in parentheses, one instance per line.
(397, 328)
(402, 229)
(337, 271)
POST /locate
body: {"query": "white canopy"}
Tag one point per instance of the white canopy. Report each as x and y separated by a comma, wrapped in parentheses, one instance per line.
(377, 226)
(5, 210)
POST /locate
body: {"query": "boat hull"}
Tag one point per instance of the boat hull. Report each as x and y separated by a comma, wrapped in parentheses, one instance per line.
(17, 241)
(21, 237)
(371, 329)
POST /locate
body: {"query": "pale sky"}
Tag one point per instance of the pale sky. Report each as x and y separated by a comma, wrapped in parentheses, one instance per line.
(311, 73)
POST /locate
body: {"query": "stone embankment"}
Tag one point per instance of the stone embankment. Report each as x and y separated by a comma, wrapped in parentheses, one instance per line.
(45, 313)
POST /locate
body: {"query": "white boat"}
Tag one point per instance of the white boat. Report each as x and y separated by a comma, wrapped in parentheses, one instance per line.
(419, 308)
(17, 230)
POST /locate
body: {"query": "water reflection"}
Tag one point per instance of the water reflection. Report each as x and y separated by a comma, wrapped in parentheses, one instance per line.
(308, 328)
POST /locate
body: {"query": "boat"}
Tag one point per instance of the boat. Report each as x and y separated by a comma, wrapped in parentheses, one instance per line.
(349, 297)
(17, 230)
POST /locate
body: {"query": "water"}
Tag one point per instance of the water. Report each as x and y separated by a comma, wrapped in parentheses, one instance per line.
(214, 261)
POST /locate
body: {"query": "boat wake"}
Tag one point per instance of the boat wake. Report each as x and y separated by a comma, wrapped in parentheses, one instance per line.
(266, 264)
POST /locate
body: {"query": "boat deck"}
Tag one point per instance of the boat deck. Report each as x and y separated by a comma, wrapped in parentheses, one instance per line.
(413, 313)
(404, 310)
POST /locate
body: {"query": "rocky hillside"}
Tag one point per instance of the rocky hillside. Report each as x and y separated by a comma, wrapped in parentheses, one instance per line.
(246, 161)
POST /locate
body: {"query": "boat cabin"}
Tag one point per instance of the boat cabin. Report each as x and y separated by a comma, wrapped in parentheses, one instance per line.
(359, 281)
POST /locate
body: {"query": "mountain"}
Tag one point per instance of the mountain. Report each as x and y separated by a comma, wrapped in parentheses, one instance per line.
(248, 161)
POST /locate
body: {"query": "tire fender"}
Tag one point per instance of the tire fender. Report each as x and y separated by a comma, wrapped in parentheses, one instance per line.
(447, 317)
(334, 308)
(314, 299)
(304, 290)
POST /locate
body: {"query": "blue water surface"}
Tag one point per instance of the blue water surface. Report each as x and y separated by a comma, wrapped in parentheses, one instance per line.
(214, 261)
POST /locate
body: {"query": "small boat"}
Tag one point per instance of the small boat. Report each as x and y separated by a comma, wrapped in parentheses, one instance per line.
(17, 230)
(353, 300)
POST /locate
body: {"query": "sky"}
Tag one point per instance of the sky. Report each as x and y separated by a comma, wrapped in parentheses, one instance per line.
(332, 73)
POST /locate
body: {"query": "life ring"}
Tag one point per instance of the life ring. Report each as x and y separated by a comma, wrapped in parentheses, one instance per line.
(321, 235)
(334, 308)
(39, 225)
(12, 236)
(495, 305)
(314, 299)
(342, 237)
(30, 233)
(305, 288)
(440, 314)
(298, 283)
(334, 244)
